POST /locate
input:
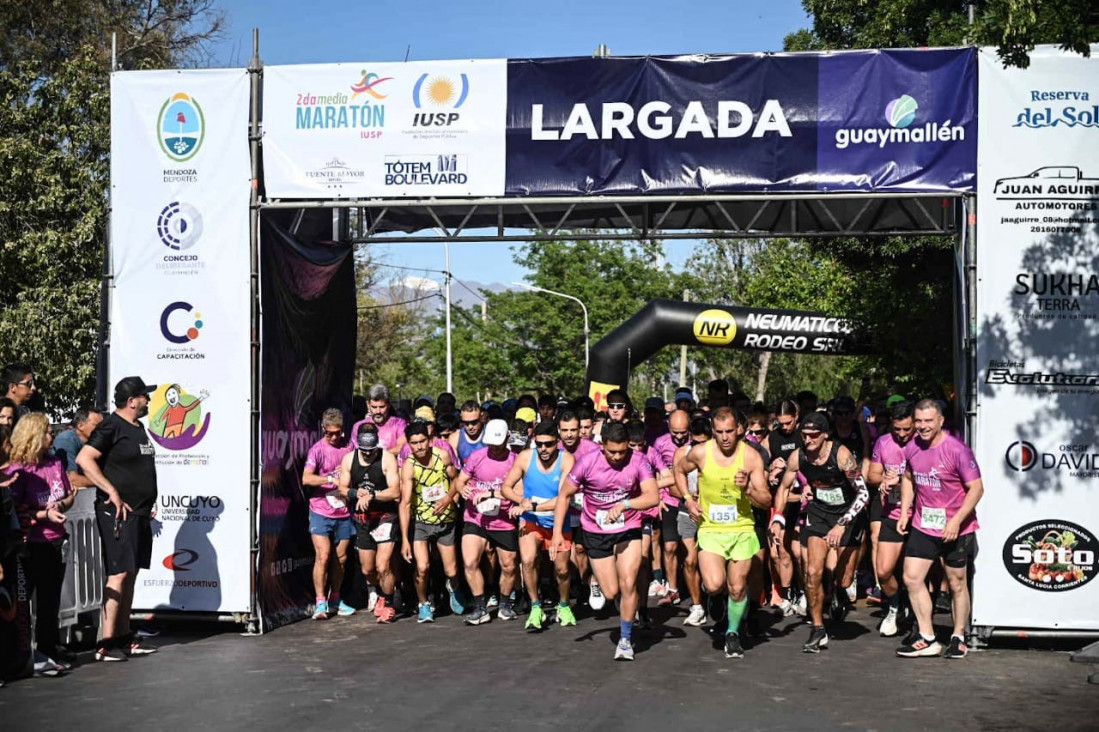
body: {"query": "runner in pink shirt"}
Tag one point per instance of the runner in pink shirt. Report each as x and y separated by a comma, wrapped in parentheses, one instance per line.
(652, 574)
(568, 428)
(666, 445)
(380, 412)
(943, 483)
(616, 484)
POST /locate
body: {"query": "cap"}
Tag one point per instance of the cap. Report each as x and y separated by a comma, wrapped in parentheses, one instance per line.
(654, 403)
(816, 421)
(132, 386)
(426, 414)
(563, 401)
(422, 400)
(489, 404)
(517, 439)
(496, 433)
(368, 441)
(510, 404)
(895, 399)
(844, 402)
(527, 415)
(684, 394)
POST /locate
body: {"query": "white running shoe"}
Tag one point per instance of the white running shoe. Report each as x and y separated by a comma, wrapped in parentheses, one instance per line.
(597, 600)
(624, 651)
(853, 591)
(786, 607)
(799, 606)
(888, 627)
(372, 600)
(697, 616)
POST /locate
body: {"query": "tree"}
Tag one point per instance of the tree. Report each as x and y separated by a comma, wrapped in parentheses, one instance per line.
(54, 166)
(1013, 26)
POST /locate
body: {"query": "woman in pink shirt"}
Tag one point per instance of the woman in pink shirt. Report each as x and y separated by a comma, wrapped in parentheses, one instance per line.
(41, 494)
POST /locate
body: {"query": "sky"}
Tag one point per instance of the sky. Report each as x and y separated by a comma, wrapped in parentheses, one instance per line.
(392, 30)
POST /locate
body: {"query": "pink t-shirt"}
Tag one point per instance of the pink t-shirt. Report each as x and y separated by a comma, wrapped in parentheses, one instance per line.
(324, 459)
(666, 447)
(438, 442)
(603, 486)
(890, 455)
(36, 487)
(487, 474)
(389, 434)
(584, 447)
(940, 474)
(658, 465)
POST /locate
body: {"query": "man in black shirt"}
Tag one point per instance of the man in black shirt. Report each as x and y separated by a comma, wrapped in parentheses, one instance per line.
(120, 461)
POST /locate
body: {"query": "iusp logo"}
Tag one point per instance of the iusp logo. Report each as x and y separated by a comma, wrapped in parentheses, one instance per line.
(181, 127)
(181, 560)
(439, 92)
(1021, 456)
(715, 328)
(901, 112)
(170, 327)
(179, 225)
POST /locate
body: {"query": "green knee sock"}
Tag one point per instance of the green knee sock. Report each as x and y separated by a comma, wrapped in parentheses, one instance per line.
(736, 614)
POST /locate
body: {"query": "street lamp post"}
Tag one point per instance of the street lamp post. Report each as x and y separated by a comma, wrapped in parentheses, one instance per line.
(587, 331)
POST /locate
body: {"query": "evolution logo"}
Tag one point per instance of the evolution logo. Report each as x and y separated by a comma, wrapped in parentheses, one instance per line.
(439, 92)
(900, 113)
(192, 332)
(1023, 456)
(181, 127)
(363, 111)
(714, 328)
(181, 560)
(1061, 116)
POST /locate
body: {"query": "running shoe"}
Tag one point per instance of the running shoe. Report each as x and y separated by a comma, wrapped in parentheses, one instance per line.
(493, 602)
(658, 589)
(384, 612)
(888, 627)
(921, 647)
(671, 597)
(696, 617)
(321, 613)
(624, 650)
(103, 653)
(839, 606)
(786, 607)
(596, 600)
(565, 616)
(853, 591)
(45, 667)
(344, 610)
(733, 649)
(372, 599)
(425, 614)
(456, 605)
(799, 606)
(818, 638)
(479, 616)
(873, 596)
(134, 648)
(957, 648)
(912, 636)
(535, 619)
(507, 612)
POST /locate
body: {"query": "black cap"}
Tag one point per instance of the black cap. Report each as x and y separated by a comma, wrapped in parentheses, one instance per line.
(131, 386)
(845, 403)
(654, 403)
(816, 421)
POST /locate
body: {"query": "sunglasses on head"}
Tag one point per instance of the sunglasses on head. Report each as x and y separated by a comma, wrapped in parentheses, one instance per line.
(617, 405)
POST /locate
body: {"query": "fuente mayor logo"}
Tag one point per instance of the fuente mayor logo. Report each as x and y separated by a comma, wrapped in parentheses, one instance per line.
(181, 127)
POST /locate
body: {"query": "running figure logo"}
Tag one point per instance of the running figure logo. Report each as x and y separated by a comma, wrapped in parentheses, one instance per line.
(178, 421)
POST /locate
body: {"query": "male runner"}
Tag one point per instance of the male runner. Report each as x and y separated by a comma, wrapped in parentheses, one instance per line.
(852, 434)
(781, 443)
(468, 439)
(487, 522)
(427, 493)
(943, 483)
(380, 412)
(587, 422)
(666, 446)
(370, 484)
(727, 539)
(887, 465)
(568, 428)
(617, 484)
(832, 519)
(651, 544)
(532, 485)
(687, 527)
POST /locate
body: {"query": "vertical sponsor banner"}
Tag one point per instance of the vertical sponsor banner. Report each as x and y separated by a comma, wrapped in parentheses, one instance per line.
(309, 334)
(433, 128)
(180, 318)
(1038, 324)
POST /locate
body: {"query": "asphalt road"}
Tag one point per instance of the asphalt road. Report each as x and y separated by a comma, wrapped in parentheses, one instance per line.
(351, 673)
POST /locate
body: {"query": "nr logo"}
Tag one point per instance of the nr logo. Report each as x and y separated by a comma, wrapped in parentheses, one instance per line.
(715, 328)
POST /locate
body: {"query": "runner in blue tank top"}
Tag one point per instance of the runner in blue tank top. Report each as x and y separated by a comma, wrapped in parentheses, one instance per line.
(467, 440)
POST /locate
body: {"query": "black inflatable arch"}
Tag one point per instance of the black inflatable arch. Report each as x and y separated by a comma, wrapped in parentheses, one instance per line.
(674, 322)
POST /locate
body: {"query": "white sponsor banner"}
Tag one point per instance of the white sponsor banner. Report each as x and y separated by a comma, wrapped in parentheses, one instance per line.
(431, 128)
(1037, 438)
(180, 318)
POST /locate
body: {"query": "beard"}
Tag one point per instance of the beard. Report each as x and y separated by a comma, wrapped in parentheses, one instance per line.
(142, 411)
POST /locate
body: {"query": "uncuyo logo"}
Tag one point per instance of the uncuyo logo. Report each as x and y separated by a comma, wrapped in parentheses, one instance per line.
(178, 420)
(440, 91)
(369, 84)
(179, 225)
(180, 560)
(193, 330)
(181, 126)
(1021, 456)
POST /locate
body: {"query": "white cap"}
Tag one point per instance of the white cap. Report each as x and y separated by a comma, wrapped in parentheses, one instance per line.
(496, 432)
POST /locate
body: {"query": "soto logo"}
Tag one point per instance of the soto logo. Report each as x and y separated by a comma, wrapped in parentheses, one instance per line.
(177, 421)
(1051, 556)
(714, 328)
(181, 127)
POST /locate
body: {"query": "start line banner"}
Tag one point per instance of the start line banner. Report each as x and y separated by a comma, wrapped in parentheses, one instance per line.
(888, 121)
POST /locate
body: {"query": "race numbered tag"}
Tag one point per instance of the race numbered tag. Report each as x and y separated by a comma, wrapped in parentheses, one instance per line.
(933, 518)
(433, 493)
(722, 514)
(831, 496)
(489, 507)
(604, 522)
(335, 501)
(383, 531)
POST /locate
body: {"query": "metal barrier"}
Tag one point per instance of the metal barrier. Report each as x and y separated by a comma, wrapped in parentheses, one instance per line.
(82, 590)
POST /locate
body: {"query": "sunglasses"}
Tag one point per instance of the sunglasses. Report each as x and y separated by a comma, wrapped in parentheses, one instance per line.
(757, 432)
(333, 433)
(811, 435)
(29, 383)
(541, 443)
(616, 405)
(469, 422)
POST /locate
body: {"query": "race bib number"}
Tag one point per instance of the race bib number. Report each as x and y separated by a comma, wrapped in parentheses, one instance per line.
(604, 522)
(831, 496)
(335, 501)
(383, 531)
(722, 514)
(489, 507)
(933, 518)
(433, 493)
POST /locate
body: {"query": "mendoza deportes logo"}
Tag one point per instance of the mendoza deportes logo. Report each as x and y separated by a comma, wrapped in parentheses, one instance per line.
(900, 114)
(181, 127)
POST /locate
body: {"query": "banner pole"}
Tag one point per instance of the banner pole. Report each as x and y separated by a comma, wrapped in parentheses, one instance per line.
(970, 255)
(255, 71)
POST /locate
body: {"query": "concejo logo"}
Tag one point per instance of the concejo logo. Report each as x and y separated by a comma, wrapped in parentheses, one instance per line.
(181, 560)
(1021, 456)
(179, 225)
(715, 328)
(900, 114)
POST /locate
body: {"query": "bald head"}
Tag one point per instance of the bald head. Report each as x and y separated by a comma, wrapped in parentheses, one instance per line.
(679, 427)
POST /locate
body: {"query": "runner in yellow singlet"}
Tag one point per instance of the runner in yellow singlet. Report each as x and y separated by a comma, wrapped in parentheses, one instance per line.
(731, 479)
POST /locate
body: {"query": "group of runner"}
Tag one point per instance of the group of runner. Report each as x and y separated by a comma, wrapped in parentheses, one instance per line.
(537, 505)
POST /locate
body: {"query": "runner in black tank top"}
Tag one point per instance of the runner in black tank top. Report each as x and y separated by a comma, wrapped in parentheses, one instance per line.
(371, 479)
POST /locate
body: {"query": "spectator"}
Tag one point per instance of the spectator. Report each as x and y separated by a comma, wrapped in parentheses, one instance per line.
(8, 412)
(8, 525)
(67, 445)
(41, 494)
(18, 381)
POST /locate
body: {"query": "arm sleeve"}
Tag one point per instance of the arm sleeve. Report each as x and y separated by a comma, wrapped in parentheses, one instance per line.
(862, 496)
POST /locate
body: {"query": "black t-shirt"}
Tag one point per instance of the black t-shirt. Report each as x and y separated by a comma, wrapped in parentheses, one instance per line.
(128, 460)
